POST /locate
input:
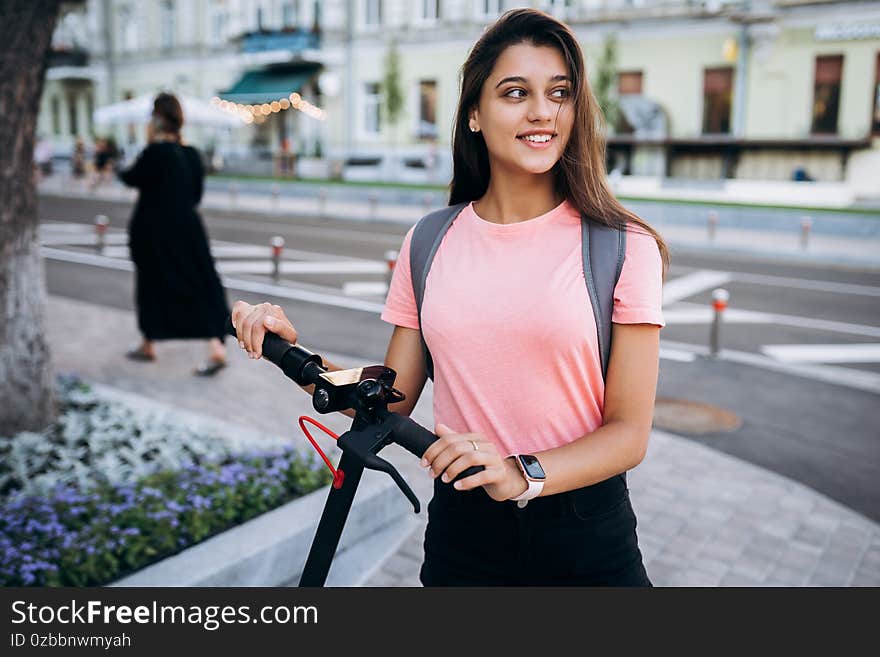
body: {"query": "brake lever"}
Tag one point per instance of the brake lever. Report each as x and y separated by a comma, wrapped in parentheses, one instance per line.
(374, 462)
(361, 444)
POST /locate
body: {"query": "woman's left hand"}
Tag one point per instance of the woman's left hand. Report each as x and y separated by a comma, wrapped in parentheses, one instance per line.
(452, 453)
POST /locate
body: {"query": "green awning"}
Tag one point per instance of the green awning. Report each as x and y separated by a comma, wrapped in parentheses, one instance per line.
(265, 85)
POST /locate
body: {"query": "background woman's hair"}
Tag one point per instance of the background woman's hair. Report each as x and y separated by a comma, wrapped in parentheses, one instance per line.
(168, 113)
(580, 172)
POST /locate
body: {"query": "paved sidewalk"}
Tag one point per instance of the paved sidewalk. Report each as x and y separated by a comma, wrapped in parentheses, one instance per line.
(705, 518)
(782, 245)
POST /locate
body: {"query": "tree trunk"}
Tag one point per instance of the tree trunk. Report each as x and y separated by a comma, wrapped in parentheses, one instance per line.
(26, 380)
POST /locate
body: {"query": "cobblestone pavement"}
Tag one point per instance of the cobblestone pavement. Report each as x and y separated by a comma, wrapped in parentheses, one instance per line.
(705, 518)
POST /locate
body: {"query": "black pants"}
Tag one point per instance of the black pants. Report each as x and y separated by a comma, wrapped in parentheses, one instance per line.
(584, 537)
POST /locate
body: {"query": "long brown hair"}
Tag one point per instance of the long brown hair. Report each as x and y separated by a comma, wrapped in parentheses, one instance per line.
(580, 172)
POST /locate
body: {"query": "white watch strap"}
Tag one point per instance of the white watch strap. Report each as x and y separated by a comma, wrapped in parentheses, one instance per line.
(534, 489)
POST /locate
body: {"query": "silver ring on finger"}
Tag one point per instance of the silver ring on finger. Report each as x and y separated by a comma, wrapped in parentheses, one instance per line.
(474, 443)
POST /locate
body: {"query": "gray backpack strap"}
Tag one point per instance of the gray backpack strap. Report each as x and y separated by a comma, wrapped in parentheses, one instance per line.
(423, 246)
(603, 249)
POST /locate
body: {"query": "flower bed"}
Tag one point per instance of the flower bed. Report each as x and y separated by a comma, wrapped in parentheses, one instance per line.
(94, 525)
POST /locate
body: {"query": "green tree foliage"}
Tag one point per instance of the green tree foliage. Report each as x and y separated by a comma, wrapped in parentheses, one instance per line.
(391, 90)
(606, 78)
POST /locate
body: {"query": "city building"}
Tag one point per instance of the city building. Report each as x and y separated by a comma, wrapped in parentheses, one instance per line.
(706, 90)
(245, 50)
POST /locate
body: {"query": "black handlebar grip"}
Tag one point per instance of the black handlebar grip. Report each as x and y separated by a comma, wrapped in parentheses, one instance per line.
(292, 359)
(415, 438)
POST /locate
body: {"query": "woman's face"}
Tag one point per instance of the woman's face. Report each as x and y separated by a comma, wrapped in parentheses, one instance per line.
(526, 109)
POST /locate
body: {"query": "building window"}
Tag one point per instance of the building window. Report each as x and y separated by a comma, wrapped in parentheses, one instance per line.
(427, 109)
(373, 13)
(488, 8)
(559, 8)
(430, 10)
(219, 25)
(372, 107)
(128, 29)
(826, 94)
(875, 123)
(290, 14)
(629, 82)
(56, 115)
(717, 96)
(166, 24)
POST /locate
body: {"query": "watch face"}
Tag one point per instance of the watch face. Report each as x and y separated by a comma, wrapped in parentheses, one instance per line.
(532, 467)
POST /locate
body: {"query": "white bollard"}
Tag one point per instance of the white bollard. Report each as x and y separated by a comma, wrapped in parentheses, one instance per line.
(101, 223)
(427, 201)
(374, 204)
(712, 222)
(720, 297)
(391, 261)
(806, 225)
(233, 193)
(276, 196)
(277, 248)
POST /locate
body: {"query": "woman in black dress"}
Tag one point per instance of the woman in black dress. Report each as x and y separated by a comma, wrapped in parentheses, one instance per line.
(178, 292)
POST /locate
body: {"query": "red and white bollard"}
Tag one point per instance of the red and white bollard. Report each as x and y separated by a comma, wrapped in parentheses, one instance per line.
(101, 223)
(712, 222)
(391, 261)
(720, 297)
(806, 225)
(277, 248)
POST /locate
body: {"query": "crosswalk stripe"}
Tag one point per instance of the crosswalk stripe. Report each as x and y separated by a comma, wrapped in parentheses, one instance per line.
(707, 316)
(677, 355)
(81, 239)
(691, 284)
(688, 313)
(842, 376)
(824, 353)
(64, 227)
(288, 267)
(364, 288)
(279, 291)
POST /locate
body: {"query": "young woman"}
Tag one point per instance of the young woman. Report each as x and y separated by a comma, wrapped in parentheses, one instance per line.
(507, 318)
(178, 292)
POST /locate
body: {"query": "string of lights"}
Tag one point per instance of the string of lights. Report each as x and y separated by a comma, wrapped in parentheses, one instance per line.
(258, 113)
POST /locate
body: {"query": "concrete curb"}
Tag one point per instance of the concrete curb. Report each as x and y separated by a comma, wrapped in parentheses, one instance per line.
(271, 550)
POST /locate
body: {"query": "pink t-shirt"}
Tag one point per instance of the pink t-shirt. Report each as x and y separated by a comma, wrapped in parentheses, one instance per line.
(508, 320)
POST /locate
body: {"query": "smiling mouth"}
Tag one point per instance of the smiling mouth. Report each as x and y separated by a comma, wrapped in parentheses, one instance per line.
(537, 139)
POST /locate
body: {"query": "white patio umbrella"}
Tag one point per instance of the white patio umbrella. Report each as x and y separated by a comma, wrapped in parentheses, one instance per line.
(138, 110)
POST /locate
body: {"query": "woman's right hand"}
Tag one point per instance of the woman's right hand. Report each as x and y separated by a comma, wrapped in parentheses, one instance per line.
(252, 322)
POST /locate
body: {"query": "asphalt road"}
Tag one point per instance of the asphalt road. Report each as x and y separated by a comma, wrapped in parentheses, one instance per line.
(809, 410)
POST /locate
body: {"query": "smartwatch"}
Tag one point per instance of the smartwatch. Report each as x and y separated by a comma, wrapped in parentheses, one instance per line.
(533, 472)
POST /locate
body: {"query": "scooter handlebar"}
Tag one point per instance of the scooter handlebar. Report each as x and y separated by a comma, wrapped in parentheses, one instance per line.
(416, 439)
(292, 359)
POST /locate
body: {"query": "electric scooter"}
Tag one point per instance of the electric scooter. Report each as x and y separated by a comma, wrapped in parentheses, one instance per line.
(368, 391)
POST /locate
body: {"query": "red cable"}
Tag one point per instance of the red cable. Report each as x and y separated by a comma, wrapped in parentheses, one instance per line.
(338, 475)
